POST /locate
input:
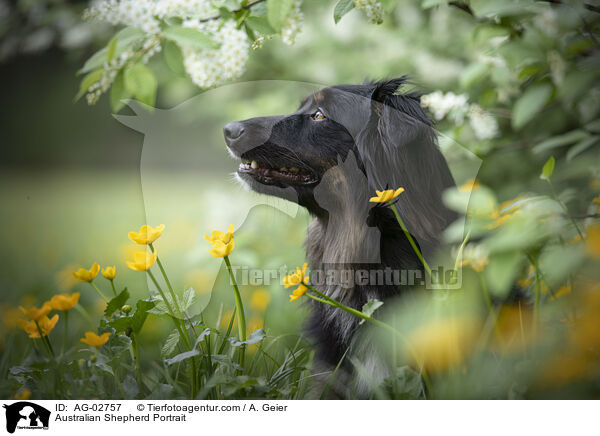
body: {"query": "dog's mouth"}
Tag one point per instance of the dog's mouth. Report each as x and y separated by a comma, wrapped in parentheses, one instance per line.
(277, 175)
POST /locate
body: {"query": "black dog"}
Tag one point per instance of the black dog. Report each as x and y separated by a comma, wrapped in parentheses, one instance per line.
(330, 156)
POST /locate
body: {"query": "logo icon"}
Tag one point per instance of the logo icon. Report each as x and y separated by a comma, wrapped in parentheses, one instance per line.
(26, 415)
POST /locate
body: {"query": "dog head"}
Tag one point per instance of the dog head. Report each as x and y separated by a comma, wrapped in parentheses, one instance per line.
(386, 134)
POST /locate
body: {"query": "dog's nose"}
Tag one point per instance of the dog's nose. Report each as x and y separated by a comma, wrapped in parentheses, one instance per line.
(233, 130)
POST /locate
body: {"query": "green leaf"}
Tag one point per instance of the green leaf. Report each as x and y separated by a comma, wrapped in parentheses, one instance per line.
(370, 307)
(125, 39)
(187, 36)
(548, 169)
(130, 387)
(530, 103)
(116, 303)
(88, 81)
(181, 357)
(593, 126)
(499, 8)
(201, 336)
(111, 48)
(501, 272)
(118, 92)
(255, 337)
(277, 11)
(342, 8)
(173, 57)
(170, 344)
(431, 3)
(260, 25)
(136, 321)
(141, 83)
(581, 146)
(187, 300)
(561, 140)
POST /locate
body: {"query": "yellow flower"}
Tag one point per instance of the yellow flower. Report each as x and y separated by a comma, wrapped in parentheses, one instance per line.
(297, 278)
(93, 340)
(46, 326)
(23, 394)
(298, 292)
(592, 241)
(444, 343)
(85, 275)
(64, 302)
(109, 272)
(142, 261)
(35, 314)
(260, 299)
(222, 243)
(596, 200)
(475, 256)
(506, 211)
(560, 292)
(146, 235)
(385, 196)
(468, 186)
(476, 264)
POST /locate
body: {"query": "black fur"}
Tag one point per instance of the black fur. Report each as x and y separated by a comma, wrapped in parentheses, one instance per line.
(373, 137)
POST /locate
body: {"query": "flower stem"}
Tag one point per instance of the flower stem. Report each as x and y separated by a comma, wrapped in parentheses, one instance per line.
(330, 301)
(410, 238)
(168, 282)
(136, 360)
(45, 341)
(112, 284)
(99, 292)
(65, 332)
(240, 309)
(178, 324)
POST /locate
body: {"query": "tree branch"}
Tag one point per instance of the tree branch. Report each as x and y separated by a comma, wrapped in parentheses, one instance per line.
(246, 7)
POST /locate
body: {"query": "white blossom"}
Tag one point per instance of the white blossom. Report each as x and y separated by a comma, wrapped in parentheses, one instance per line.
(456, 108)
(372, 9)
(210, 67)
(293, 23)
(448, 105)
(483, 124)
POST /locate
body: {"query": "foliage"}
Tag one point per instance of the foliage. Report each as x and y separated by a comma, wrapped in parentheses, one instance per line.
(515, 84)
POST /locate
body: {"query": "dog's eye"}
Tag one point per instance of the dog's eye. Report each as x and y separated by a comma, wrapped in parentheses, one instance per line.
(318, 116)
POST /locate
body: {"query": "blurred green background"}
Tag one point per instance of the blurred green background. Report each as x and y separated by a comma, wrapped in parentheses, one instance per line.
(73, 180)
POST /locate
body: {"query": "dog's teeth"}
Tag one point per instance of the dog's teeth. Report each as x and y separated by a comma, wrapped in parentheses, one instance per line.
(254, 165)
(294, 169)
(283, 169)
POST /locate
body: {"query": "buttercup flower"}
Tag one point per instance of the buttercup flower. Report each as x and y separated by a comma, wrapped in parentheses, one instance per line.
(85, 275)
(35, 314)
(477, 264)
(93, 340)
(387, 195)
(260, 299)
(142, 261)
(146, 235)
(23, 395)
(298, 292)
(592, 241)
(64, 302)
(444, 343)
(46, 326)
(109, 272)
(297, 278)
(475, 257)
(222, 243)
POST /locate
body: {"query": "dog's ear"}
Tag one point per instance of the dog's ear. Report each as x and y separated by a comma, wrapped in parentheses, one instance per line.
(398, 147)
